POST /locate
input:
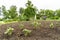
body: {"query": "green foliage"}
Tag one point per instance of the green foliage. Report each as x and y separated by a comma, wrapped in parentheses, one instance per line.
(21, 26)
(51, 25)
(49, 13)
(5, 12)
(0, 10)
(44, 14)
(30, 10)
(1, 19)
(10, 20)
(28, 13)
(21, 10)
(27, 32)
(12, 12)
(22, 17)
(58, 12)
(38, 16)
(9, 31)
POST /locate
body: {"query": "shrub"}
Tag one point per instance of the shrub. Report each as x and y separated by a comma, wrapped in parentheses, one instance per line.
(9, 31)
(26, 32)
(22, 17)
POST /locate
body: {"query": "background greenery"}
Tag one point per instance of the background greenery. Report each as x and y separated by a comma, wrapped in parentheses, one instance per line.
(28, 13)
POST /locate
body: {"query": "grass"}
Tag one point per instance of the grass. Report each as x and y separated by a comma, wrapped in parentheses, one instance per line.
(48, 19)
(3, 22)
(7, 21)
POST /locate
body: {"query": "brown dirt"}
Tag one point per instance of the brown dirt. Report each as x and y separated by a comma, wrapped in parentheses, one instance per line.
(43, 32)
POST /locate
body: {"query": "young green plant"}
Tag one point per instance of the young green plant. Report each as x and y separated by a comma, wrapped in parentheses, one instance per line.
(51, 25)
(9, 31)
(26, 32)
(35, 24)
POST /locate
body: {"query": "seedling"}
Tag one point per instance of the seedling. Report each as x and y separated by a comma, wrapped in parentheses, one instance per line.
(26, 32)
(35, 24)
(9, 31)
(51, 25)
(21, 26)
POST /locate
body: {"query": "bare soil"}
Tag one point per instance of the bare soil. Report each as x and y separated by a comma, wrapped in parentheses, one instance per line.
(43, 32)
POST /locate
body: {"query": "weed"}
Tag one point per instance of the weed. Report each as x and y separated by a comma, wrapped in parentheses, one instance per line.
(26, 32)
(51, 25)
(9, 31)
(35, 24)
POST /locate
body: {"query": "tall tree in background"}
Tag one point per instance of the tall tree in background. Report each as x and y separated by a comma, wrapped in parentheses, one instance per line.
(49, 13)
(5, 12)
(0, 10)
(21, 10)
(58, 12)
(30, 10)
(13, 12)
(42, 14)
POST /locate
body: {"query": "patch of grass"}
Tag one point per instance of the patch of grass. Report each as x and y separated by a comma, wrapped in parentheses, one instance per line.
(8, 21)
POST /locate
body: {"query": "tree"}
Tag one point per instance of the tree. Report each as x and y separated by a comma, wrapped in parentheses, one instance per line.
(42, 14)
(30, 10)
(0, 10)
(58, 12)
(22, 17)
(49, 13)
(12, 12)
(5, 12)
(21, 10)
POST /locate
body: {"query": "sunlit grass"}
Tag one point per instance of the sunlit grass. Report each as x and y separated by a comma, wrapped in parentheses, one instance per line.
(7, 21)
(3, 22)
